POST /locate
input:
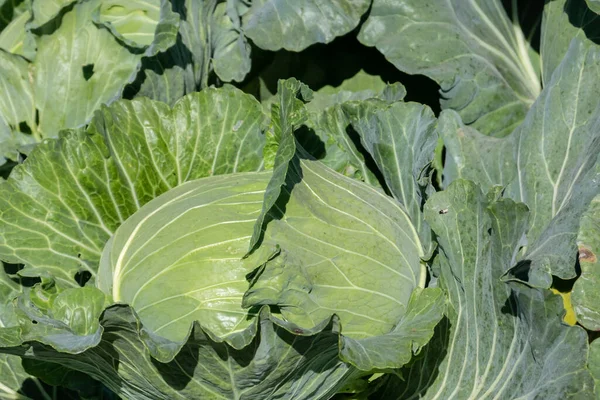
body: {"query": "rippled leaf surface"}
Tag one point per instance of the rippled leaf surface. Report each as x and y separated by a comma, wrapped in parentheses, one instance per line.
(480, 59)
(499, 340)
(550, 162)
(131, 153)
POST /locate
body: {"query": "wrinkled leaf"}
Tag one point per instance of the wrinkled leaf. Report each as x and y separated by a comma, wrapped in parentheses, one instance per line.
(231, 50)
(278, 363)
(594, 364)
(209, 40)
(480, 59)
(132, 152)
(554, 167)
(283, 24)
(586, 291)
(12, 374)
(393, 350)
(401, 139)
(78, 66)
(330, 117)
(280, 148)
(499, 340)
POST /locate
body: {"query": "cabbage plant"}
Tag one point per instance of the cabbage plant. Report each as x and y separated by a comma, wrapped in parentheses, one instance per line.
(338, 243)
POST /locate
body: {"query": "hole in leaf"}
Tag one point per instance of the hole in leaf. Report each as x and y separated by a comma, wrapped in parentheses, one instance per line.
(82, 277)
(88, 71)
(24, 128)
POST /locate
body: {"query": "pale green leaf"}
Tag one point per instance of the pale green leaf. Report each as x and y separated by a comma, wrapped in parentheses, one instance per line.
(280, 148)
(132, 152)
(330, 118)
(231, 50)
(316, 269)
(585, 296)
(12, 373)
(396, 348)
(78, 66)
(478, 56)
(562, 21)
(594, 364)
(134, 21)
(17, 111)
(594, 5)
(401, 139)
(172, 279)
(361, 86)
(13, 35)
(295, 25)
(46, 10)
(499, 340)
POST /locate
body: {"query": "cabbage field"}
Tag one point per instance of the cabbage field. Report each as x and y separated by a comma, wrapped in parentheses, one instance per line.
(299, 199)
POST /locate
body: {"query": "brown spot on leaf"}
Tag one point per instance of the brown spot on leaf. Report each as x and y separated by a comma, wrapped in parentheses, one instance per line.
(586, 255)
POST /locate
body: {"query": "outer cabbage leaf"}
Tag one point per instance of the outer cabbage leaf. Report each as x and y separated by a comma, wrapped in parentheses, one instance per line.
(480, 59)
(286, 115)
(499, 340)
(554, 167)
(594, 5)
(13, 17)
(316, 269)
(585, 296)
(330, 117)
(78, 65)
(12, 374)
(44, 11)
(16, 105)
(401, 139)
(231, 50)
(281, 24)
(594, 364)
(210, 40)
(135, 364)
(21, 380)
(132, 152)
(562, 21)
